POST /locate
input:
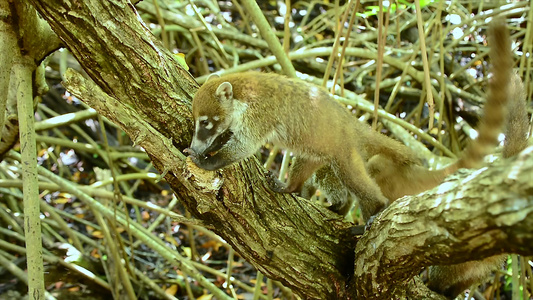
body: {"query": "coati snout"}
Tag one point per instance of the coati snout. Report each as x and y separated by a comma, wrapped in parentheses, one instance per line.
(204, 155)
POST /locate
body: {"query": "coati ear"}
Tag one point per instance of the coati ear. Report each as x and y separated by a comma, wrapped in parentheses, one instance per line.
(212, 76)
(224, 92)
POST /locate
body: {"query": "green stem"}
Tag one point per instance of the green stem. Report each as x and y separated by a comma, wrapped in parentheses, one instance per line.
(22, 70)
(269, 36)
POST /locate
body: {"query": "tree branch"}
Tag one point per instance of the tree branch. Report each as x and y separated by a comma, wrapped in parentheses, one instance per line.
(474, 214)
(148, 94)
(121, 55)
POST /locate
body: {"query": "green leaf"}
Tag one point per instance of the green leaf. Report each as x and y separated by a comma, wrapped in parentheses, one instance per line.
(181, 59)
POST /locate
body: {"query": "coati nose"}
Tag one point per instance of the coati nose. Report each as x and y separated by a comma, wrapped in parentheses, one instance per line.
(190, 151)
(198, 148)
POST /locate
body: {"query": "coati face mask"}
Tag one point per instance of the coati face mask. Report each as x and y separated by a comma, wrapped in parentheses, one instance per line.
(214, 115)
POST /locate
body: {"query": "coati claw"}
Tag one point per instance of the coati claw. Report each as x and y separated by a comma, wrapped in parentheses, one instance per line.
(369, 222)
(372, 218)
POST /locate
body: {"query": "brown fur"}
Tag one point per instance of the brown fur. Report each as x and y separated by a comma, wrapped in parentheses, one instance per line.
(305, 119)
(410, 179)
(517, 123)
(453, 279)
(298, 116)
(398, 178)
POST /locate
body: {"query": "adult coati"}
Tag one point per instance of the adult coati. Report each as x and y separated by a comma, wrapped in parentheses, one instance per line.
(236, 114)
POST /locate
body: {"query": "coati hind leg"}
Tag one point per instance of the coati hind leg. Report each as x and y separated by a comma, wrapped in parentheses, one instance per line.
(352, 173)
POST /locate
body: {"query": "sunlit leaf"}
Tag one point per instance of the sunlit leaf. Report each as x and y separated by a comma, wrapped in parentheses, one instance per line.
(188, 251)
(181, 59)
(97, 234)
(172, 290)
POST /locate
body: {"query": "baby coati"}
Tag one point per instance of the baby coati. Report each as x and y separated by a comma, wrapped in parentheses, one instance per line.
(236, 114)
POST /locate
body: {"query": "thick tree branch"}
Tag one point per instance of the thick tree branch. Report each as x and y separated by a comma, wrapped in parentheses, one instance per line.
(266, 228)
(121, 55)
(473, 215)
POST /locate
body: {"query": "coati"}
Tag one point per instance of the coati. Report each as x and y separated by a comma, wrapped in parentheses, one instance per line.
(305, 119)
(236, 114)
(399, 178)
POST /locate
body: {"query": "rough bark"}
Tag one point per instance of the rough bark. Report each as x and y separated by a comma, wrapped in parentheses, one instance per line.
(121, 55)
(143, 89)
(149, 95)
(472, 215)
(24, 36)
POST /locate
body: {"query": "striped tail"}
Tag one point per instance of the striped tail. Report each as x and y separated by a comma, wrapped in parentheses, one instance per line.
(494, 112)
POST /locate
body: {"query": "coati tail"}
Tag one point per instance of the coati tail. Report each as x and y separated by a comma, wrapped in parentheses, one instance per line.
(497, 98)
(506, 92)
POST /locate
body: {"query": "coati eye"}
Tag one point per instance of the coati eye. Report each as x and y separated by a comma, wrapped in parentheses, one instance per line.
(206, 124)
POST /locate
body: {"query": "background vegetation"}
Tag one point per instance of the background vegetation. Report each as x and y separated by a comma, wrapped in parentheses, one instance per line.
(111, 225)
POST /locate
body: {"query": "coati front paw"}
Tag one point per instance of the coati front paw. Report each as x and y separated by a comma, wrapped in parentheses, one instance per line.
(274, 184)
(371, 219)
(191, 152)
(210, 162)
(193, 155)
